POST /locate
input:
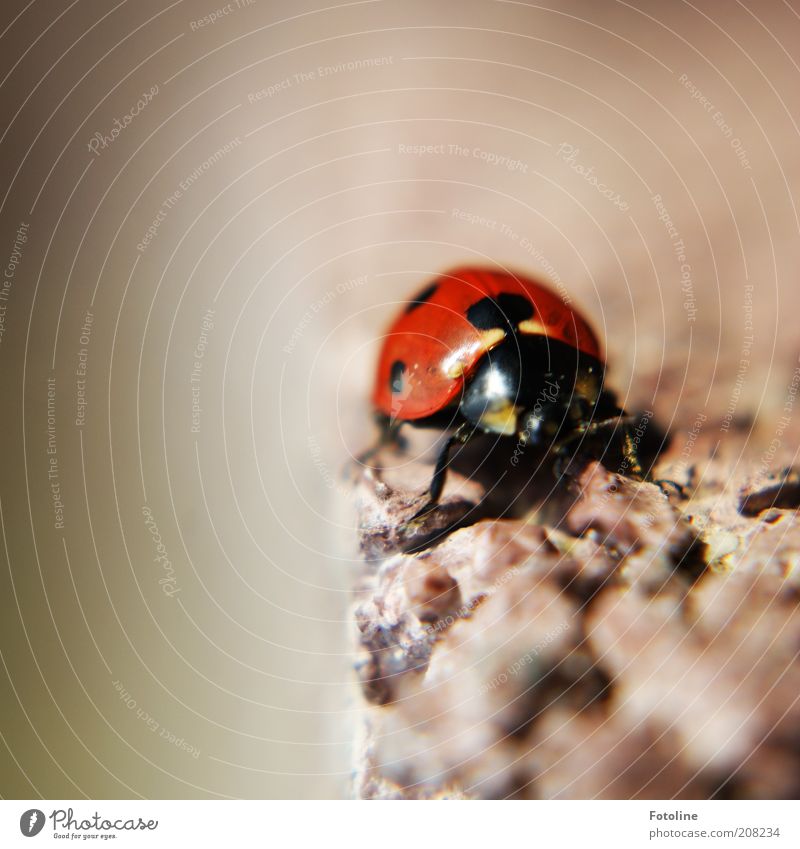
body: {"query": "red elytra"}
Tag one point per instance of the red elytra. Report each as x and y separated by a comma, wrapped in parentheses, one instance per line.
(439, 347)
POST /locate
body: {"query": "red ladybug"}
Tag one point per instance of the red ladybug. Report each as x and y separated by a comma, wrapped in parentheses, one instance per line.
(494, 352)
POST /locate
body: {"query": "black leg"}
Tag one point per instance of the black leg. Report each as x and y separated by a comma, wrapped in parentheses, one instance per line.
(633, 467)
(389, 435)
(631, 454)
(459, 437)
(590, 428)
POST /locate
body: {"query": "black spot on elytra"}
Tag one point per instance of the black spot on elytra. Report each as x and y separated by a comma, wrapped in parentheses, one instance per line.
(425, 295)
(396, 375)
(506, 311)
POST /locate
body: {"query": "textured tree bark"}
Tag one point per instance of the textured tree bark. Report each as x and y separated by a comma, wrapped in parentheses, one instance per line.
(601, 639)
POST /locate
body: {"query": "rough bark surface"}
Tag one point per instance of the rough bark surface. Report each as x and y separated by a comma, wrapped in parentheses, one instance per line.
(603, 639)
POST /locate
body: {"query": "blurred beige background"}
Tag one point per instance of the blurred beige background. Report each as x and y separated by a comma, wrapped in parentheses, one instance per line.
(210, 211)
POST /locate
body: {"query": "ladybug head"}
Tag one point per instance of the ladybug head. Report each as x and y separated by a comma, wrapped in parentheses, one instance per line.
(492, 397)
(532, 386)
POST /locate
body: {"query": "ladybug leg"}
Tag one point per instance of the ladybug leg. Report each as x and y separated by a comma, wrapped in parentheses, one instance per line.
(561, 464)
(631, 454)
(629, 446)
(563, 457)
(389, 435)
(459, 437)
(589, 428)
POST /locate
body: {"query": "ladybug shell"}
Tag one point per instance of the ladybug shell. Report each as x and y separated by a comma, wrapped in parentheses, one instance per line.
(432, 347)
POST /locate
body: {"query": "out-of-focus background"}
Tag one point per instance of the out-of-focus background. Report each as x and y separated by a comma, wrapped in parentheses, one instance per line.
(209, 212)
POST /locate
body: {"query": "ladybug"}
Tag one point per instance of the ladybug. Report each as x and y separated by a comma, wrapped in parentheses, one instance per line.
(492, 352)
